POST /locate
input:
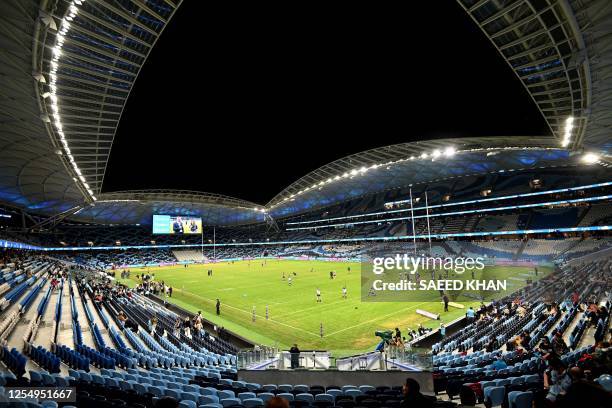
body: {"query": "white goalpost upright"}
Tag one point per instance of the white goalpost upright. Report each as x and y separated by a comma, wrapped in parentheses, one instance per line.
(427, 217)
(412, 218)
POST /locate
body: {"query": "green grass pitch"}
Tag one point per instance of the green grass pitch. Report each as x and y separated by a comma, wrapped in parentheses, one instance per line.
(294, 314)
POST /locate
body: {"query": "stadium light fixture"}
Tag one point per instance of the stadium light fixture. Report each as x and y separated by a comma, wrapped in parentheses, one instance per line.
(39, 77)
(590, 158)
(567, 132)
(435, 154)
(449, 151)
(51, 94)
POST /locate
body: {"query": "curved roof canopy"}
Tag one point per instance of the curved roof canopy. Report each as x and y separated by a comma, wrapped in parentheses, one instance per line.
(560, 50)
(138, 207)
(407, 164)
(69, 66)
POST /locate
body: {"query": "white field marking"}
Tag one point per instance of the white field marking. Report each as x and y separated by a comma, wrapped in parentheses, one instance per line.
(373, 320)
(272, 320)
(250, 313)
(322, 305)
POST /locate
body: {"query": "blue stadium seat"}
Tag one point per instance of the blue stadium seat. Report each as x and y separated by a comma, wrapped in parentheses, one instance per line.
(246, 395)
(265, 396)
(325, 397)
(520, 399)
(305, 397)
(208, 399)
(494, 396)
(301, 388)
(285, 387)
(222, 394)
(253, 402)
(286, 395)
(228, 402)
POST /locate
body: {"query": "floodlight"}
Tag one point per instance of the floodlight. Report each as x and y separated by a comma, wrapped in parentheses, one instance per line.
(590, 158)
(39, 77)
(48, 21)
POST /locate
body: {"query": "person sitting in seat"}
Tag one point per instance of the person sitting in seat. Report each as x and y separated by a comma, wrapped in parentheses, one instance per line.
(413, 397)
(500, 364)
(122, 318)
(558, 344)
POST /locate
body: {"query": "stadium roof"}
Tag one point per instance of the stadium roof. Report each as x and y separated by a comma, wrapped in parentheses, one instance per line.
(560, 50)
(68, 68)
(138, 207)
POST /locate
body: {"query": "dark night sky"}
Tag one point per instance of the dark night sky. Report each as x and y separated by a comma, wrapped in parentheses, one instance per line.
(244, 100)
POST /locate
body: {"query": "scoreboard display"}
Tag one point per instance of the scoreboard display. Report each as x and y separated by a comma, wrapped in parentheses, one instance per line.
(168, 224)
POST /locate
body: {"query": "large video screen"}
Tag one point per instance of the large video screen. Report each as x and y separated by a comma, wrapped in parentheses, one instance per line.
(168, 224)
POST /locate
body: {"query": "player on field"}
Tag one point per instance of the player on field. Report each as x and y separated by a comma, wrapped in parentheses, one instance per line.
(289, 280)
(318, 295)
(344, 292)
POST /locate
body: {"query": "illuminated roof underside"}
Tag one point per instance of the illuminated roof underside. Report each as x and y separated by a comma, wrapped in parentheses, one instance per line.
(138, 207)
(68, 68)
(92, 61)
(401, 165)
(560, 50)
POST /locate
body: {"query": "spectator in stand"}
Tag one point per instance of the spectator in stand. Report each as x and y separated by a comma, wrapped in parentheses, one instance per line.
(177, 326)
(500, 364)
(187, 326)
(153, 324)
(470, 315)
(600, 331)
(525, 340)
(491, 345)
(197, 327)
(122, 318)
(558, 344)
(413, 397)
(556, 379)
(545, 347)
